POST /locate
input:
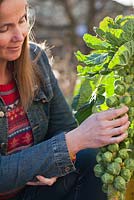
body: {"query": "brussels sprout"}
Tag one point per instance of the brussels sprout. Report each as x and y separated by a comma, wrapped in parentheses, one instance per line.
(131, 90)
(113, 147)
(119, 89)
(128, 79)
(125, 100)
(131, 119)
(101, 89)
(98, 170)
(129, 163)
(125, 143)
(113, 194)
(99, 157)
(122, 72)
(131, 112)
(118, 160)
(118, 82)
(107, 178)
(112, 101)
(131, 141)
(132, 70)
(107, 156)
(132, 101)
(120, 183)
(100, 99)
(123, 153)
(131, 133)
(126, 174)
(114, 168)
(103, 149)
(105, 188)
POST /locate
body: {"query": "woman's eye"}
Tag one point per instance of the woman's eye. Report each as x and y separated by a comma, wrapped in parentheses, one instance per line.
(23, 20)
(3, 29)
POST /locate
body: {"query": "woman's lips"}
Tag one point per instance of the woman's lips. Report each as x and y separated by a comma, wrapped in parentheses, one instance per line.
(14, 48)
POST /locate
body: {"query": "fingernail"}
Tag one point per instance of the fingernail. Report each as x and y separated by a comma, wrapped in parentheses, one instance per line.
(38, 176)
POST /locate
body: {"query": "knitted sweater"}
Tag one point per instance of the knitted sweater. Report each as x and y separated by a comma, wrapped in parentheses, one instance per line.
(19, 130)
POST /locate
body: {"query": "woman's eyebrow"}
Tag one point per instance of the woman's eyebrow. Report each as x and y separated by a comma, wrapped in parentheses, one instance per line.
(10, 23)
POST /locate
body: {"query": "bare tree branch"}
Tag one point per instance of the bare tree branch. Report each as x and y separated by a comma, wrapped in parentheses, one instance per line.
(69, 13)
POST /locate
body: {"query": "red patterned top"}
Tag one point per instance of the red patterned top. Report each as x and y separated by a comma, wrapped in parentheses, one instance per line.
(19, 129)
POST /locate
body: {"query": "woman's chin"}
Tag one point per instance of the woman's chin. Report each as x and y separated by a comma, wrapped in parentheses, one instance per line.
(14, 57)
(13, 54)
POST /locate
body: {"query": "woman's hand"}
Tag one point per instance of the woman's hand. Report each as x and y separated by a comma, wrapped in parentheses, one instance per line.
(41, 180)
(99, 129)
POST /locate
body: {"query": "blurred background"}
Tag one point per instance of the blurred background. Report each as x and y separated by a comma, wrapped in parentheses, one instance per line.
(61, 25)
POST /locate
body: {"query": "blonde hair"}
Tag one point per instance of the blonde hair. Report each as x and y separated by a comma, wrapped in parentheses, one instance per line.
(26, 74)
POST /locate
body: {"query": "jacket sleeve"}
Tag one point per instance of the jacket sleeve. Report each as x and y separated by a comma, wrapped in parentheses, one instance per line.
(42, 159)
(49, 158)
(61, 118)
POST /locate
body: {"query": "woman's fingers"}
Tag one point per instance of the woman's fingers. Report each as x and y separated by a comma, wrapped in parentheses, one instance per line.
(47, 181)
(117, 122)
(112, 113)
(118, 139)
(118, 130)
(43, 181)
(35, 183)
(102, 129)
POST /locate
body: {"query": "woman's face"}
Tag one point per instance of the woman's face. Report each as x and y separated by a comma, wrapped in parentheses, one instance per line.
(13, 28)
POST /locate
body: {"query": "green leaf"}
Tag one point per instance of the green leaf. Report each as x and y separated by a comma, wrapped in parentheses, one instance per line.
(123, 55)
(80, 56)
(106, 23)
(94, 63)
(95, 58)
(80, 69)
(99, 32)
(84, 94)
(122, 19)
(128, 28)
(118, 19)
(109, 84)
(75, 102)
(91, 59)
(95, 43)
(114, 36)
(84, 112)
(84, 71)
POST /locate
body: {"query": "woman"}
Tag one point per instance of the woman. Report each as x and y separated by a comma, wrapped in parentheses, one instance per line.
(39, 137)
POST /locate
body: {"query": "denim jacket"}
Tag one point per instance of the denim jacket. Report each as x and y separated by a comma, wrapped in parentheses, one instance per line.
(50, 118)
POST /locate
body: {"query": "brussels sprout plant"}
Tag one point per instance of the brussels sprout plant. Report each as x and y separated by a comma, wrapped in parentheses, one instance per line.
(107, 81)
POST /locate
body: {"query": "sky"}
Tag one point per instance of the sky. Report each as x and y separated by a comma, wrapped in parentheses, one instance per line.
(126, 2)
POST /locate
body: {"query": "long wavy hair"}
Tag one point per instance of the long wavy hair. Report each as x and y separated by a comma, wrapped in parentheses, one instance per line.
(25, 74)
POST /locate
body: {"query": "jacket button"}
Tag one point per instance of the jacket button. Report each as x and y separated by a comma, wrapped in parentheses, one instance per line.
(2, 114)
(3, 146)
(67, 169)
(43, 100)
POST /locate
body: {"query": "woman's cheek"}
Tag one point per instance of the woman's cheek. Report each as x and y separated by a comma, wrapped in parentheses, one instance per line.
(25, 30)
(4, 41)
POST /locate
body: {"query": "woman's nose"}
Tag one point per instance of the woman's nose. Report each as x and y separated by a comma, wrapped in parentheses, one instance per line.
(17, 36)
